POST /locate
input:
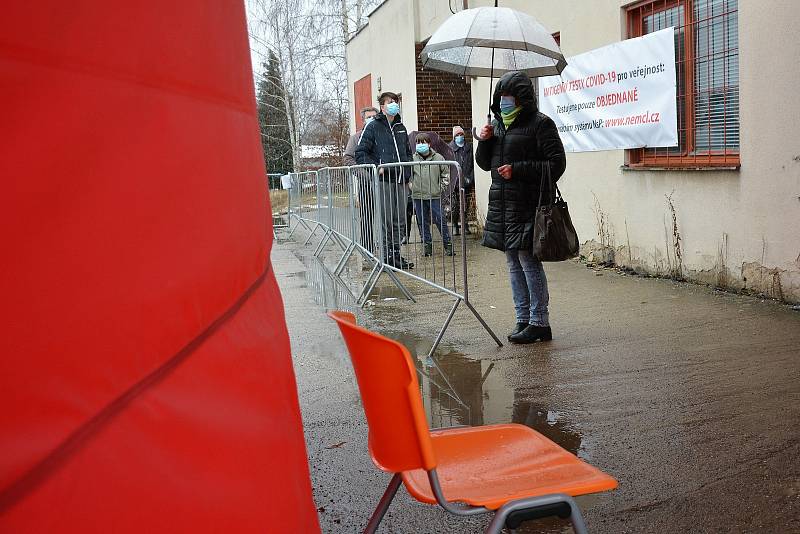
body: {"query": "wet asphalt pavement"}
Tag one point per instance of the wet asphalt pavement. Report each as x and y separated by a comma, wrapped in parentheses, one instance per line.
(688, 396)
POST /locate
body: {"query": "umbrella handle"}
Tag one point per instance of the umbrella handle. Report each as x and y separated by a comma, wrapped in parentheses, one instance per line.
(475, 134)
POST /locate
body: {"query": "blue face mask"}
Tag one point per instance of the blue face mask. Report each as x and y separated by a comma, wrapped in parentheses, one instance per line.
(507, 104)
(368, 120)
(460, 140)
(423, 148)
(393, 108)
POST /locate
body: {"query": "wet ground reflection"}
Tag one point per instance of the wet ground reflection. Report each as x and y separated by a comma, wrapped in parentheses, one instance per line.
(328, 293)
(468, 391)
(340, 293)
(458, 389)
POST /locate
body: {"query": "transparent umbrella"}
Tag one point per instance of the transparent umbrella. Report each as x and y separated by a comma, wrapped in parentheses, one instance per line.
(489, 41)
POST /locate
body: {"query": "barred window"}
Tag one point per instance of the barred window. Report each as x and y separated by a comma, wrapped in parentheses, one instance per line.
(707, 71)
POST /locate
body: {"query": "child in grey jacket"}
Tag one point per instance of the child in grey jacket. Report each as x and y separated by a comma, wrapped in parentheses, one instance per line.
(426, 190)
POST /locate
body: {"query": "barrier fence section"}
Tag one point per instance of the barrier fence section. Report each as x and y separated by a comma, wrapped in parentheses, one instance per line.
(369, 210)
(303, 203)
(279, 196)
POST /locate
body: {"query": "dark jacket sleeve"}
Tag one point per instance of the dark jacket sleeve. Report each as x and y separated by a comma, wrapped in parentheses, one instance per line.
(366, 146)
(469, 165)
(552, 150)
(483, 154)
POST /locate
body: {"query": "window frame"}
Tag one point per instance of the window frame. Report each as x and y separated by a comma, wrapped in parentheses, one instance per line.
(639, 157)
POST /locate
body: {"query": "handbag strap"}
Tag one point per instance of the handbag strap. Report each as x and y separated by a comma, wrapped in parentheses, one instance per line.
(553, 188)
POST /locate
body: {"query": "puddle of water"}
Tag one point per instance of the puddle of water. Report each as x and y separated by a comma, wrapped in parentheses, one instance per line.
(327, 292)
(461, 390)
(458, 389)
(332, 293)
(550, 424)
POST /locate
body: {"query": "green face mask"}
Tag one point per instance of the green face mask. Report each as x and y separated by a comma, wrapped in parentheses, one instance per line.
(508, 117)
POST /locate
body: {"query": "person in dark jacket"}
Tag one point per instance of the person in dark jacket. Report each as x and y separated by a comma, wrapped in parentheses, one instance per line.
(520, 147)
(385, 140)
(463, 154)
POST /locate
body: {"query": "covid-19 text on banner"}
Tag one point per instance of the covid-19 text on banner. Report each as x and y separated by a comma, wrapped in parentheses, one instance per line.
(618, 96)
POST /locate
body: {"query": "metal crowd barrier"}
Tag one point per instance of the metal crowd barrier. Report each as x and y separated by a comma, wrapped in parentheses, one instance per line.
(278, 200)
(368, 210)
(303, 203)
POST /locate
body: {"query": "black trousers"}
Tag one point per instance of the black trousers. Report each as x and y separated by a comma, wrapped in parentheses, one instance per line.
(409, 214)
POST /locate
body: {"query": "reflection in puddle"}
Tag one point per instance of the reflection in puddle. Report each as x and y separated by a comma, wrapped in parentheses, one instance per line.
(463, 390)
(386, 291)
(328, 293)
(458, 389)
(341, 292)
(548, 423)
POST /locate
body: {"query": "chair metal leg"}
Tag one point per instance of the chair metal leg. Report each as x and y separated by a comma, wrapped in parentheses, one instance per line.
(578, 525)
(499, 519)
(383, 505)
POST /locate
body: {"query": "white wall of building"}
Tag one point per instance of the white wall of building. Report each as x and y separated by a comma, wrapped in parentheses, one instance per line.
(385, 49)
(431, 15)
(737, 226)
(740, 224)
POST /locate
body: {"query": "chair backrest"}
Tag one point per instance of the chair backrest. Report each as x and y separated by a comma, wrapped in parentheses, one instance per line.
(399, 438)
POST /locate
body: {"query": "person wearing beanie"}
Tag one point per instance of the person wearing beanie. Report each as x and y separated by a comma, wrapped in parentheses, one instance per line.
(463, 153)
(362, 183)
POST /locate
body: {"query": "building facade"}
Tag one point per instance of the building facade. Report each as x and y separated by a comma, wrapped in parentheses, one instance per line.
(722, 208)
(384, 56)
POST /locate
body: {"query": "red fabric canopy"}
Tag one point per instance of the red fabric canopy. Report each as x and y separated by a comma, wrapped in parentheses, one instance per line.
(145, 381)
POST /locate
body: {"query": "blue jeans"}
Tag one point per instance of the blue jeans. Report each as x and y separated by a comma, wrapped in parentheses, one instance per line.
(427, 210)
(528, 287)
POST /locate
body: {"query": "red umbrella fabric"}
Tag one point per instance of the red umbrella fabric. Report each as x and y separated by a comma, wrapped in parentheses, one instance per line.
(145, 379)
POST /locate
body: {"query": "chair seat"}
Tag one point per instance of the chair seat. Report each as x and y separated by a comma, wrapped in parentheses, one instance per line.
(491, 465)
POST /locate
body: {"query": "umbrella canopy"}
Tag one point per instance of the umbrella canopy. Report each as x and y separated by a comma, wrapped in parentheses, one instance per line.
(490, 41)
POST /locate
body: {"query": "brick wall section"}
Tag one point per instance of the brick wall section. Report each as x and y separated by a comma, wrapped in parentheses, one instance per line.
(443, 100)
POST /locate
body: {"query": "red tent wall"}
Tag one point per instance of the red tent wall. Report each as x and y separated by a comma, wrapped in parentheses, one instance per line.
(145, 377)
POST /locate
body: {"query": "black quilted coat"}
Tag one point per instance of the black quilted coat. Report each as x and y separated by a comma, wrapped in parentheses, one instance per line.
(529, 144)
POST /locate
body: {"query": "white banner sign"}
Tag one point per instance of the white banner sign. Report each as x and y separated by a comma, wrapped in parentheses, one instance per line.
(618, 96)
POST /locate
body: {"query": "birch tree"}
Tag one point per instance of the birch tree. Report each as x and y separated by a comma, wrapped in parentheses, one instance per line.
(308, 38)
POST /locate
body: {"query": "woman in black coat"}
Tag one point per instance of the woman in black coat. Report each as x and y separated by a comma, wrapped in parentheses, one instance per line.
(519, 147)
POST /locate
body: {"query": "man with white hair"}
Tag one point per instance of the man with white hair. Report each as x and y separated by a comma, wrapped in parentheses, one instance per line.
(366, 203)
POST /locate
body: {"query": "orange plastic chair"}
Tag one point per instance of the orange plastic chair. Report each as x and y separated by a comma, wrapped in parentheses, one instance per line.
(508, 469)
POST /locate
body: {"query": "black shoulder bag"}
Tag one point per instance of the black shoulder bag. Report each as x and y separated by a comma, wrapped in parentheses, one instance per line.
(554, 237)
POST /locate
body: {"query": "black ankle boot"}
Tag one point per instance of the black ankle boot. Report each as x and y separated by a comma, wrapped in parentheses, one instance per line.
(532, 334)
(517, 329)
